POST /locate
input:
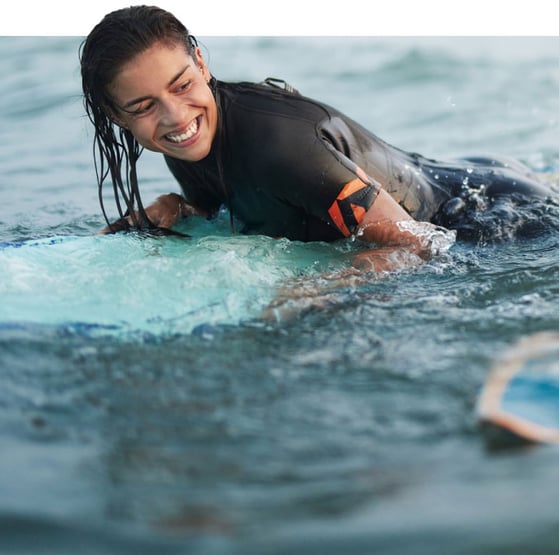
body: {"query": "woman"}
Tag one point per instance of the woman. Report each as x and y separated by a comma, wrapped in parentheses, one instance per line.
(285, 165)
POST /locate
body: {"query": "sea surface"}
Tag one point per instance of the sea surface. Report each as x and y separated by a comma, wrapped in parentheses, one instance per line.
(151, 403)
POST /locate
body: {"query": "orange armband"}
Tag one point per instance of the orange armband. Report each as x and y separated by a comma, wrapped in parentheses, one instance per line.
(352, 204)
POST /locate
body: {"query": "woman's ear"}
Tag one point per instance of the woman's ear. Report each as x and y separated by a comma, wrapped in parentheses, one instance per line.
(202, 64)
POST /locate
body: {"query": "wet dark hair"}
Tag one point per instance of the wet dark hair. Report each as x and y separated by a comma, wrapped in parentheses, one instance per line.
(114, 41)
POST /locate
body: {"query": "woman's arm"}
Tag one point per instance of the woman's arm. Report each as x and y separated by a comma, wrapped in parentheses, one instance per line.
(400, 243)
(164, 213)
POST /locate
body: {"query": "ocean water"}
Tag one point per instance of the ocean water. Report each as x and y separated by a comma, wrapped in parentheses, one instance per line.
(149, 401)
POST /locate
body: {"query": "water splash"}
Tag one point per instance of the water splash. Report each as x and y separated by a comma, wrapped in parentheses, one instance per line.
(437, 240)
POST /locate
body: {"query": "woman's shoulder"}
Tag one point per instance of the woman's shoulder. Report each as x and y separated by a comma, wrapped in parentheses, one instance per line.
(273, 96)
(270, 86)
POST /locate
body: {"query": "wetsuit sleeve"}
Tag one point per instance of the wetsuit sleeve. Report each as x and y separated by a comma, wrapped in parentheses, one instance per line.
(329, 184)
(355, 197)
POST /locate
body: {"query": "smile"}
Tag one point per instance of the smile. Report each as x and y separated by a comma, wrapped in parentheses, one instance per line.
(189, 133)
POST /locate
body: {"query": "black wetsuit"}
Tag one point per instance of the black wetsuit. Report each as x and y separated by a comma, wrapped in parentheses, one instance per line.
(287, 166)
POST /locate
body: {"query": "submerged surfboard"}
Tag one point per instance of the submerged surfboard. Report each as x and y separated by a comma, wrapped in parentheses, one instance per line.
(126, 284)
(519, 402)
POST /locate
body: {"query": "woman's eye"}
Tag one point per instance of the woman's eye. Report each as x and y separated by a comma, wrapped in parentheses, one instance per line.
(142, 109)
(185, 86)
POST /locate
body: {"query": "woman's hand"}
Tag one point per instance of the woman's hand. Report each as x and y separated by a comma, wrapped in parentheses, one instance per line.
(164, 213)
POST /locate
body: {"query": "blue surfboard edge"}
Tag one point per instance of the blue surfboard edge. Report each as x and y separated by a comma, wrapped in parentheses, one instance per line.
(502, 425)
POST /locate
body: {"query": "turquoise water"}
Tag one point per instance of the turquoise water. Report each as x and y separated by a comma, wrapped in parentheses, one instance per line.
(150, 404)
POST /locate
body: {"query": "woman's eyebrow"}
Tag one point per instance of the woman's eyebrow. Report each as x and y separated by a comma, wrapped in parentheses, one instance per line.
(170, 83)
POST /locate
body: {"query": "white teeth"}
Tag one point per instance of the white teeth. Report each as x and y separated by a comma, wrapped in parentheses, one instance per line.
(187, 134)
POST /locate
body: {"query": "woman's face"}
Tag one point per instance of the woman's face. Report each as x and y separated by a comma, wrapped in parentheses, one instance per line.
(163, 98)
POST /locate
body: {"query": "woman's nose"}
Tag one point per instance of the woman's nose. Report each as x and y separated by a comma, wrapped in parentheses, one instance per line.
(172, 111)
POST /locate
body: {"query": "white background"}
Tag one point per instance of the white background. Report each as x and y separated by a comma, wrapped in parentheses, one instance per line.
(298, 17)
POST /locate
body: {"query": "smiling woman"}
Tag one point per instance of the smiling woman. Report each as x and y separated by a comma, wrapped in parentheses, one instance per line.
(283, 164)
(124, 98)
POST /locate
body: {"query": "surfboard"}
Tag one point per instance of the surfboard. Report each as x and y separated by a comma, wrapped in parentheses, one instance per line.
(519, 401)
(125, 284)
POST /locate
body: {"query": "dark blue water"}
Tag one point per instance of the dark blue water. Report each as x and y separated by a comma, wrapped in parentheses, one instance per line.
(147, 405)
